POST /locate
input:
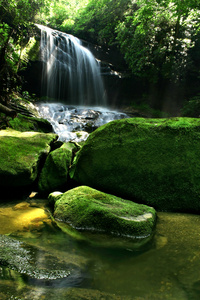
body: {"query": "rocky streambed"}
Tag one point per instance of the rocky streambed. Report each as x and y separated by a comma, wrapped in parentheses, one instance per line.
(75, 123)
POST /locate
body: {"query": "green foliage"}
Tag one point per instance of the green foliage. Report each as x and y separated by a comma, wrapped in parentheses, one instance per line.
(156, 37)
(61, 14)
(191, 108)
(149, 111)
(91, 19)
(97, 21)
(4, 33)
(15, 26)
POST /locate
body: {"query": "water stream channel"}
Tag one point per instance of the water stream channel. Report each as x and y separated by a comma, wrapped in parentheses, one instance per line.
(166, 267)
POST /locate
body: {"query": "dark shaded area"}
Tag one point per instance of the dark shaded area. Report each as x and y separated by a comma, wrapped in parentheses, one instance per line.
(123, 88)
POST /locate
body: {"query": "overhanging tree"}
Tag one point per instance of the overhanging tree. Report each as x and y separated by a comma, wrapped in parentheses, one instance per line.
(156, 37)
(16, 19)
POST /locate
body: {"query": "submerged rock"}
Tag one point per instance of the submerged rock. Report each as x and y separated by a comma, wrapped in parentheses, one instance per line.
(152, 161)
(24, 218)
(87, 209)
(20, 156)
(22, 258)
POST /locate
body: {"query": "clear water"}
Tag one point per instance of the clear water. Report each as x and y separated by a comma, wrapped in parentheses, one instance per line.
(167, 267)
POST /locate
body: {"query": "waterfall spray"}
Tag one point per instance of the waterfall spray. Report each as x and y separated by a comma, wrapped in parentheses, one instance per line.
(71, 73)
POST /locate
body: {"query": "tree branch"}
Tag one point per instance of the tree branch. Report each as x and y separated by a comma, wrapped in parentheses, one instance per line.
(7, 111)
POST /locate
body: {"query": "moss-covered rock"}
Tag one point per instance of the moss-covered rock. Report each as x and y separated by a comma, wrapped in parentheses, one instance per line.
(54, 175)
(27, 116)
(152, 161)
(20, 156)
(87, 209)
(25, 123)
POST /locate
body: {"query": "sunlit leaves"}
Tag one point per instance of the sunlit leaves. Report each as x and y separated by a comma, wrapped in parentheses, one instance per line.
(156, 38)
(97, 21)
(61, 14)
(4, 33)
(16, 19)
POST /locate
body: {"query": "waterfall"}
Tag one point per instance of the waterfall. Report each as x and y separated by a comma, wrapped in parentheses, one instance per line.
(71, 73)
(72, 86)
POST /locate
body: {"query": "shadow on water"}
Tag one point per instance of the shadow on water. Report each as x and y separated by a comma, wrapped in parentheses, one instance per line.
(165, 267)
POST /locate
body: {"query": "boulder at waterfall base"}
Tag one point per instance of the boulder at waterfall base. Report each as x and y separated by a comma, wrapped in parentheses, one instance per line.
(151, 161)
(87, 209)
(20, 156)
(54, 174)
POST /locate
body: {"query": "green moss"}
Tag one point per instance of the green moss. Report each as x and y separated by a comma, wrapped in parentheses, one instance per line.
(24, 123)
(20, 154)
(54, 175)
(152, 161)
(85, 208)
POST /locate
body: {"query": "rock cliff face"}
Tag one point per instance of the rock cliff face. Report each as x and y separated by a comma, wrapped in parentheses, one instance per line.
(151, 161)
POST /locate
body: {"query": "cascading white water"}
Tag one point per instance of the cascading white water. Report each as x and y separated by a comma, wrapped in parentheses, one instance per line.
(70, 71)
(72, 123)
(72, 83)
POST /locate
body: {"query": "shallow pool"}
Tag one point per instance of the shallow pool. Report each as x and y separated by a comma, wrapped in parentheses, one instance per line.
(165, 267)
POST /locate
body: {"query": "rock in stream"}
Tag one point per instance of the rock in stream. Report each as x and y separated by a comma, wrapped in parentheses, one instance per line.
(23, 258)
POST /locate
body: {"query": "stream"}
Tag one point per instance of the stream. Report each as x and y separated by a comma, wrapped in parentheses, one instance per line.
(166, 267)
(75, 123)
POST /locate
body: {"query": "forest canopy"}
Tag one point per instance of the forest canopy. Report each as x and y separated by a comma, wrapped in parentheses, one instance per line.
(155, 36)
(159, 39)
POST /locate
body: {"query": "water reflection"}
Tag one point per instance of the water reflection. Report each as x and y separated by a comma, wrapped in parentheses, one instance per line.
(167, 267)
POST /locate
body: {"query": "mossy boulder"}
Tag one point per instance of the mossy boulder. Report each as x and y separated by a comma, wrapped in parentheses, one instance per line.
(54, 174)
(87, 209)
(151, 161)
(26, 123)
(27, 116)
(21, 154)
